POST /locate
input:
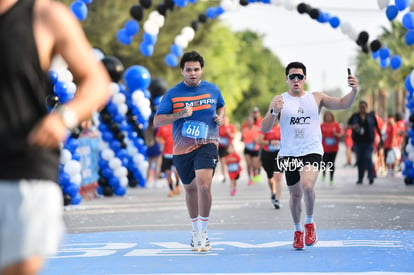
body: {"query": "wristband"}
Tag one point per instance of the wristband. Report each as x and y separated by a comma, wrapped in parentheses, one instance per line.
(69, 117)
(273, 113)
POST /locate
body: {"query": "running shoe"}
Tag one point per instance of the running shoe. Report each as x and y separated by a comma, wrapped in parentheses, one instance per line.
(257, 178)
(233, 192)
(310, 234)
(250, 182)
(204, 244)
(171, 193)
(298, 240)
(276, 204)
(195, 240)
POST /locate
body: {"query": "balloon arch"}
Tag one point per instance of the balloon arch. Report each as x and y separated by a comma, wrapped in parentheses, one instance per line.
(122, 158)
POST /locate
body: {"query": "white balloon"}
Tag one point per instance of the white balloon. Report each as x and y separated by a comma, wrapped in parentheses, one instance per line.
(411, 157)
(64, 75)
(181, 41)
(151, 27)
(345, 27)
(289, 4)
(276, 2)
(58, 63)
(107, 154)
(76, 179)
(99, 55)
(412, 78)
(227, 5)
(123, 108)
(383, 4)
(71, 88)
(409, 148)
(137, 96)
(113, 88)
(156, 18)
(115, 163)
(121, 172)
(65, 156)
(188, 33)
(118, 98)
(123, 182)
(72, 167)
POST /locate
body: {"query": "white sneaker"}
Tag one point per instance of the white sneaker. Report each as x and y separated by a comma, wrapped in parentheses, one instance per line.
(204, 244)
(195, 240)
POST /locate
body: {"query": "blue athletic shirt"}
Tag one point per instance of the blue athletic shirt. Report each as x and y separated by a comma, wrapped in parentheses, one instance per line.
(200, 128)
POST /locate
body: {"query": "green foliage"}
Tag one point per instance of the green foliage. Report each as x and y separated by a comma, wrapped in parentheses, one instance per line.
(247, 73)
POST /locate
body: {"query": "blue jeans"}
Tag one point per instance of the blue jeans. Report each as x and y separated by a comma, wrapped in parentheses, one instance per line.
(363, 153)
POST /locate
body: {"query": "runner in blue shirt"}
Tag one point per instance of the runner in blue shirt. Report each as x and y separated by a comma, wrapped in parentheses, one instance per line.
(196, 109)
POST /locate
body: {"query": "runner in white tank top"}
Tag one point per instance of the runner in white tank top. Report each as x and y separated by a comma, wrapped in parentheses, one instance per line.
(301, 142)
(300, 126)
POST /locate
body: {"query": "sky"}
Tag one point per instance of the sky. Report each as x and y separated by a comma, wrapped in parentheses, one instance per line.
(325, 51)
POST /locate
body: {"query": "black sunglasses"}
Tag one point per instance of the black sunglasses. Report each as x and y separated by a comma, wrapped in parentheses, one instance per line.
(293, 76)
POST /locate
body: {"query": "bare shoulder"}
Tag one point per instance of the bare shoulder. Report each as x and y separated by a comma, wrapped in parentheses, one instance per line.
(55, 14)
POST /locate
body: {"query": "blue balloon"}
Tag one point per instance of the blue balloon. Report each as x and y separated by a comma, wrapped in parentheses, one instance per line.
(334, 22)
(408, 20)
(71, 189)
(87, 1)
(180, 3)
(219, 10)
(146, 49)
(60, 89)
(384, 53)
(149, 38)
(375, 54)
(131, 27)
(137, 77)
(211, 12)
(409, 37)
(79, 9)
(384, 63)
(120, 191)
(123, 37)
(402, 4)
(76, 199)
(391, 12)
(53, 76)
(64, 178)
(395, 62)
(408, 85)
(176, 50)
(323, 17)
(171, 60)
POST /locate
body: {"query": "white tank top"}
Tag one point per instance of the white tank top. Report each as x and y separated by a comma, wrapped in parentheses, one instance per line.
(300, 126)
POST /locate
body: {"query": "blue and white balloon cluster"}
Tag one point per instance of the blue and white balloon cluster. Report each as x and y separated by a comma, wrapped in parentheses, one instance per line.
(408, 167)
(121, 123)
(64, 90)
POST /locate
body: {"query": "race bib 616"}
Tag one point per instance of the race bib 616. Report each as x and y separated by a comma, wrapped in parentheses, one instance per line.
(195, 129)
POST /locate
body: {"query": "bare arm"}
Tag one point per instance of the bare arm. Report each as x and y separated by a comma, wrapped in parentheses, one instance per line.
(270, 118)
(164, 119)
(220, 114)
(344, 102)
(63, 34)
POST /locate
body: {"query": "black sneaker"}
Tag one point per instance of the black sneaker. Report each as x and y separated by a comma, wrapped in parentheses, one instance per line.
(276, 204)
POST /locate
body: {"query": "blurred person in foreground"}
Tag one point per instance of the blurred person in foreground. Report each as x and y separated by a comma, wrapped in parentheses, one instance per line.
(31, 206)
(301, 143)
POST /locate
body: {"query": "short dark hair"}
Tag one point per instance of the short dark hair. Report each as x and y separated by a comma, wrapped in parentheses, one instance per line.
(191, 56)
(296, 65)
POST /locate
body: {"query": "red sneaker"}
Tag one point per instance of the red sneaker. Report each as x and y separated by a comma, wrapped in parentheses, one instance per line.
(298, 240)
(310, 234)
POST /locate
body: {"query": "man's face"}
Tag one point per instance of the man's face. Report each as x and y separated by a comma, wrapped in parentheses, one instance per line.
(296, 80)
(192, 73)
(362, 108)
